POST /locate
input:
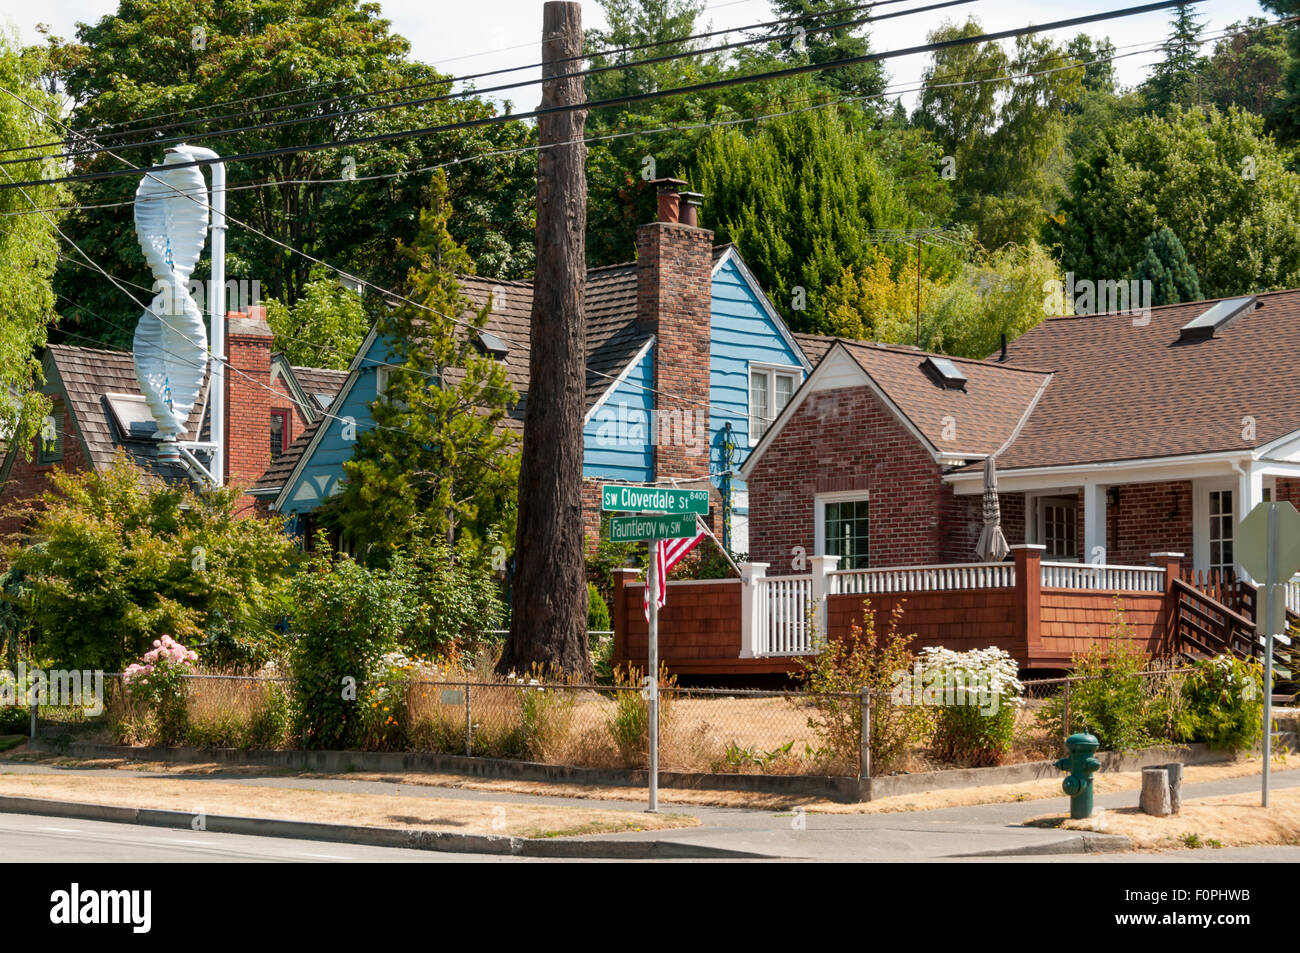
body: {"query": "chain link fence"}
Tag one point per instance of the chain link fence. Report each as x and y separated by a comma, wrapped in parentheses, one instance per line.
(701, 730)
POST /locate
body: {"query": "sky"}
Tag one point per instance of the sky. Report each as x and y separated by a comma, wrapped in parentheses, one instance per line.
(462, 38)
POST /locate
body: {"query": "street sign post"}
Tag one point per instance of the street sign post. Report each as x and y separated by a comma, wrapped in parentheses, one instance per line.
(617, 498)
(665, 514)
(627, 529)
(1268, 547)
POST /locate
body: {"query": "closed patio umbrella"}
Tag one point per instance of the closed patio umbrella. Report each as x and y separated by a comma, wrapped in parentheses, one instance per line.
(992, 546)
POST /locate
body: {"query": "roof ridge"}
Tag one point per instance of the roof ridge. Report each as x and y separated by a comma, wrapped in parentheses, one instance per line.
(905, 350)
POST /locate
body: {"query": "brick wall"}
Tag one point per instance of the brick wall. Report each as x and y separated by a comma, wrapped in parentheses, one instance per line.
(1150, 518)
(28, 479)
(674, 302)
(248, 398)
(846, 439)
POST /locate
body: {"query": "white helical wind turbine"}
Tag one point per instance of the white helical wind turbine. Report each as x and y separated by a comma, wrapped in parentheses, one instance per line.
(171, 215)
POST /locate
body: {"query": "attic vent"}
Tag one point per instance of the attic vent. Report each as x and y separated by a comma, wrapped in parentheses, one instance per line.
(493, 345)
(1217, 317)
(945, 373)
(132, 415)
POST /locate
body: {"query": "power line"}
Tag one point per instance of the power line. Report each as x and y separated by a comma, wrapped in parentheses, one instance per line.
(458, 79)
(431, 100)
(1137, 49)
(629, 99)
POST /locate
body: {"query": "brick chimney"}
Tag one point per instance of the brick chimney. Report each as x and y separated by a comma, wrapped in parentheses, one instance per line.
(248, 396)
(674, 302)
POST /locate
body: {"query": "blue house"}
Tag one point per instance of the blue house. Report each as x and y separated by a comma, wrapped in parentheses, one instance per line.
(688, 363)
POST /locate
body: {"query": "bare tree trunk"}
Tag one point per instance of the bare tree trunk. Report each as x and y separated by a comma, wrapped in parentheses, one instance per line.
(549, 623)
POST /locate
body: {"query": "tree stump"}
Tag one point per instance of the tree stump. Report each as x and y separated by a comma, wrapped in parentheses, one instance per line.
(1155, 792)
(1175, 771)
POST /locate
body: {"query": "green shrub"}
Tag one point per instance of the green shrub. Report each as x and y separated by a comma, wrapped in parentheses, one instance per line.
(597, 610)
(1224, 704)
(15, 720)
(975, 696)
(120, 559)
(629, 725)
(347, 617)
(1109, 696)
(833, 680)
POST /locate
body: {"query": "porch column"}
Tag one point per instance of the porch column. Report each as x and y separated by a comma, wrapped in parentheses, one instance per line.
(622, 577)
(821, 588)
(1250, 493)
(1094, 523)
(1029, 603)
(751, 609)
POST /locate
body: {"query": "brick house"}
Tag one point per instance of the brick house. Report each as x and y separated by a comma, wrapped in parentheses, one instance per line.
(683, 351)
(98, 409)
(1127, 449)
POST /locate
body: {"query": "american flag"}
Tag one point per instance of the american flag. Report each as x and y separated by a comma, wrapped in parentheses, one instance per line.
(668, 553)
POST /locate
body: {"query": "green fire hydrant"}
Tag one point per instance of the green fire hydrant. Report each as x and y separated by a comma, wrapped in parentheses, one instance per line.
(1081, 764)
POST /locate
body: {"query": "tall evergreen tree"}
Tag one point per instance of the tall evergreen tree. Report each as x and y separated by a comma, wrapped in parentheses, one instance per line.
(1164, 263)
(439, 461)
(1176, 80)
(820, 45)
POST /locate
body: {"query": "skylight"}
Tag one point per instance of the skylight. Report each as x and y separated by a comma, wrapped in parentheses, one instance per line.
(1218, 316)
(493, 345)
(132, 416)
(945, 373)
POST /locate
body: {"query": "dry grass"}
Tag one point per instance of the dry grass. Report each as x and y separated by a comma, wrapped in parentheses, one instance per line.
(1235, 820)
(925, 801)
(370, 810)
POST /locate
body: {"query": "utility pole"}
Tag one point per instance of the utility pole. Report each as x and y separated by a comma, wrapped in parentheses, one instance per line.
(548, 624)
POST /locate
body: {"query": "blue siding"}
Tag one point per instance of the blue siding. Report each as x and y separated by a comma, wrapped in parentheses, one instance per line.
(320, 476)
(616, 440)
(742, 332)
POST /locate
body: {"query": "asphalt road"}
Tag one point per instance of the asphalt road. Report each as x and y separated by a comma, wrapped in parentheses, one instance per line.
(27, 838)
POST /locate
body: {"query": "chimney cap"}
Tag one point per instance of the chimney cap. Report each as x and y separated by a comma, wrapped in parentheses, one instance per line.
(666, 185)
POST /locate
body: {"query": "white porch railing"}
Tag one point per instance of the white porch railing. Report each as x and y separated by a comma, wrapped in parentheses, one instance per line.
(1293, 595)
(1095, 576)
(784, 606)
(923, 578)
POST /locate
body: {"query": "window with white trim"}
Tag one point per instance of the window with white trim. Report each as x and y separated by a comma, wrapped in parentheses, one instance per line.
(845, 531)
(770, 391)
(1058, 527)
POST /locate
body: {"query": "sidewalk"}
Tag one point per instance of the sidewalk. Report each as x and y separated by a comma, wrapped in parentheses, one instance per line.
(984, 830)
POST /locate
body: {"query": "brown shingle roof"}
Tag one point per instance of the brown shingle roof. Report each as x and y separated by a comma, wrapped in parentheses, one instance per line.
(613, 338)
(976, 420)
(87, 375)
(1124, 391)
(319, 380)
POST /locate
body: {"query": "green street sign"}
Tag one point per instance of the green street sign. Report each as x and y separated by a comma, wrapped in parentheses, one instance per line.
(653, 499)
(628, 529)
